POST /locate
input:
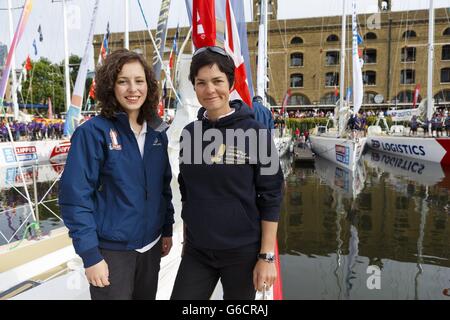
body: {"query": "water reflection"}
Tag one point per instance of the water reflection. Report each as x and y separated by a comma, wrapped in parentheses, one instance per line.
(389, 213)
(15, 211)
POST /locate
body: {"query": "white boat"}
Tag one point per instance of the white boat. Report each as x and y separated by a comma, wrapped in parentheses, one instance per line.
(397, 142)
(33, 152)
(338, 145)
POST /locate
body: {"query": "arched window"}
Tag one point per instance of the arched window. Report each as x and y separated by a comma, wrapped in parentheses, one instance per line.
(445, 75)
(407, 76)
(446, 52)
(298, 99)
(409, 34)
(369, 78)
(406, 96)
(370, 55)
(296, 80)
(370, 36)
(369, 97)
(329, 98)
(446, 32)
(271, 100)
(408, 54)
(332, 58)
(296, 40)
(331, 79)
(442, 96)
(296, 59)
(332, 38)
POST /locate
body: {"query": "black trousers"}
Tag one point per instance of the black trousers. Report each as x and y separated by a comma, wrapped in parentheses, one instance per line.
(132, 275)
(201, 269)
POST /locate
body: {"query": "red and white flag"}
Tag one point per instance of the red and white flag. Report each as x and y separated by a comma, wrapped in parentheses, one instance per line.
(232, 46)
(203, 23)
(416, 94)
(285, 101)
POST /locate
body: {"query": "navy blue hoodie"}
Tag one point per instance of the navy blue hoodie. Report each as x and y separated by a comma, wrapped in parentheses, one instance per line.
(225, 201)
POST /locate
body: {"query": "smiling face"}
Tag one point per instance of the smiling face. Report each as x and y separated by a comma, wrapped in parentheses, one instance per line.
(213, 91)
(130, 88)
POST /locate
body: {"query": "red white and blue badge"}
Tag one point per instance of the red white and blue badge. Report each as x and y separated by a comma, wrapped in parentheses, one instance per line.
(114, 145)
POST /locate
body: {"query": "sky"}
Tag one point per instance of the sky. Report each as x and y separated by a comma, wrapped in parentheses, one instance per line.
(48, 14)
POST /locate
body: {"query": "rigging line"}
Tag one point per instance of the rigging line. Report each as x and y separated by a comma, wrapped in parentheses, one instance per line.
(164, 67)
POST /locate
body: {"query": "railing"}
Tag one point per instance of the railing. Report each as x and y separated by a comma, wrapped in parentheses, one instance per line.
(15, 178)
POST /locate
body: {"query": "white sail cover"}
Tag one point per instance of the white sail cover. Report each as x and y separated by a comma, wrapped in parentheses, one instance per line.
(357, 64)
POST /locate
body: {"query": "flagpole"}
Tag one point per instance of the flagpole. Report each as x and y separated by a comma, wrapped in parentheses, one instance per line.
(13, 66)
(126, 43)
(66, 57)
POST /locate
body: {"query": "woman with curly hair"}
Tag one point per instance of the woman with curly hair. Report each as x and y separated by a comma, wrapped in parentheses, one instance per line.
(115, 195)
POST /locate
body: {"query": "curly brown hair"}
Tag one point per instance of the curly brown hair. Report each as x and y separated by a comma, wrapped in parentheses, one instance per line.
(105, 80)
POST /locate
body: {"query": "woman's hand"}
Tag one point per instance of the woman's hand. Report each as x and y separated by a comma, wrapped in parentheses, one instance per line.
(98, 274)
(166, 246)
(264, 273)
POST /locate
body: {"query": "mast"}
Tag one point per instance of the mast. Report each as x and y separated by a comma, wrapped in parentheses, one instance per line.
(66, 57)
(261, 75)
(126, 41)
(430, 65)
(343, 40)
(13, 65)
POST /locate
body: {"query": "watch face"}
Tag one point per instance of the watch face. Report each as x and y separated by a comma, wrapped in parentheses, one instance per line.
(269, 257)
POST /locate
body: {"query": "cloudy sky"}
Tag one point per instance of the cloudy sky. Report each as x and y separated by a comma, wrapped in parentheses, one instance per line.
(48, 14)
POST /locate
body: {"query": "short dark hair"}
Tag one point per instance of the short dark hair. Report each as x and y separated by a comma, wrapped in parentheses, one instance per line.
(105, 80)
(209, 58)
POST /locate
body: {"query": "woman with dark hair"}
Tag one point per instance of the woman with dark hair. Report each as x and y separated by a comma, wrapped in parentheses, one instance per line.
(115, 195)
(231, 190)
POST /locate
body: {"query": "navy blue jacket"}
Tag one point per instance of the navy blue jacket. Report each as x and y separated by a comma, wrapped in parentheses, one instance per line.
(109, 196)
(224, 202)
(263, 115)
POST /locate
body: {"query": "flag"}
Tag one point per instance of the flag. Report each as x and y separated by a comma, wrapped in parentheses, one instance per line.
(359, 38)
(104, 49)
(416, 94)
(41, 37)
(174, 50)
(28, 65)
(50, 109)
(92, 90)
(35, 47)
(349, 93)
(233, 48)
(203, 23)
(336, 91)
(285, 101)
(161, 108)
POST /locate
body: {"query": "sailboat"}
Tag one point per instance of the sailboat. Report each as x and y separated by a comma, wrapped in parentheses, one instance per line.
(338, 145)
(422, 148)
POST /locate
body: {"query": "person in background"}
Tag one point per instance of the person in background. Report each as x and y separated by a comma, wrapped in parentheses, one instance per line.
(115, 195)
(262, 114)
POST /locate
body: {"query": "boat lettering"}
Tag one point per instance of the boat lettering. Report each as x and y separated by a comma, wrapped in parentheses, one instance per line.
(407, 165)
(399, 148)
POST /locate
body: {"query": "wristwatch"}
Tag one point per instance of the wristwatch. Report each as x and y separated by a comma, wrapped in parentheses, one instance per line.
(267, 257)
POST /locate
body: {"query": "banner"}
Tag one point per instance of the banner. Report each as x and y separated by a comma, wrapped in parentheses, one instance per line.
(403, 115)
(203, 23)
(160, 39)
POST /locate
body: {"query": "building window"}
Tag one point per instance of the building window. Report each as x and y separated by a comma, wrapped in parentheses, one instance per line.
(332, 58)
(443, 96)
(408, 54)
(296, 80)
(331, 79)
(370, 36)
(369, 78)
(297, 59)
(298, 99)
(446, 52)
(329, 98)
(405, 97)
(409, 34)
(370, 56)
(407, 76)
(332, 38)
(296, 40)
(446, 32)
(369, 97)
(445, 75)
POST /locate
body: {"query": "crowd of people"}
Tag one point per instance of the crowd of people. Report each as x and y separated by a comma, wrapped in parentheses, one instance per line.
(37, 129)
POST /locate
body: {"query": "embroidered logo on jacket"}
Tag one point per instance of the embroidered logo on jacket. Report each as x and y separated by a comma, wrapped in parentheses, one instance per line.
(114, 145)
(157, 142)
